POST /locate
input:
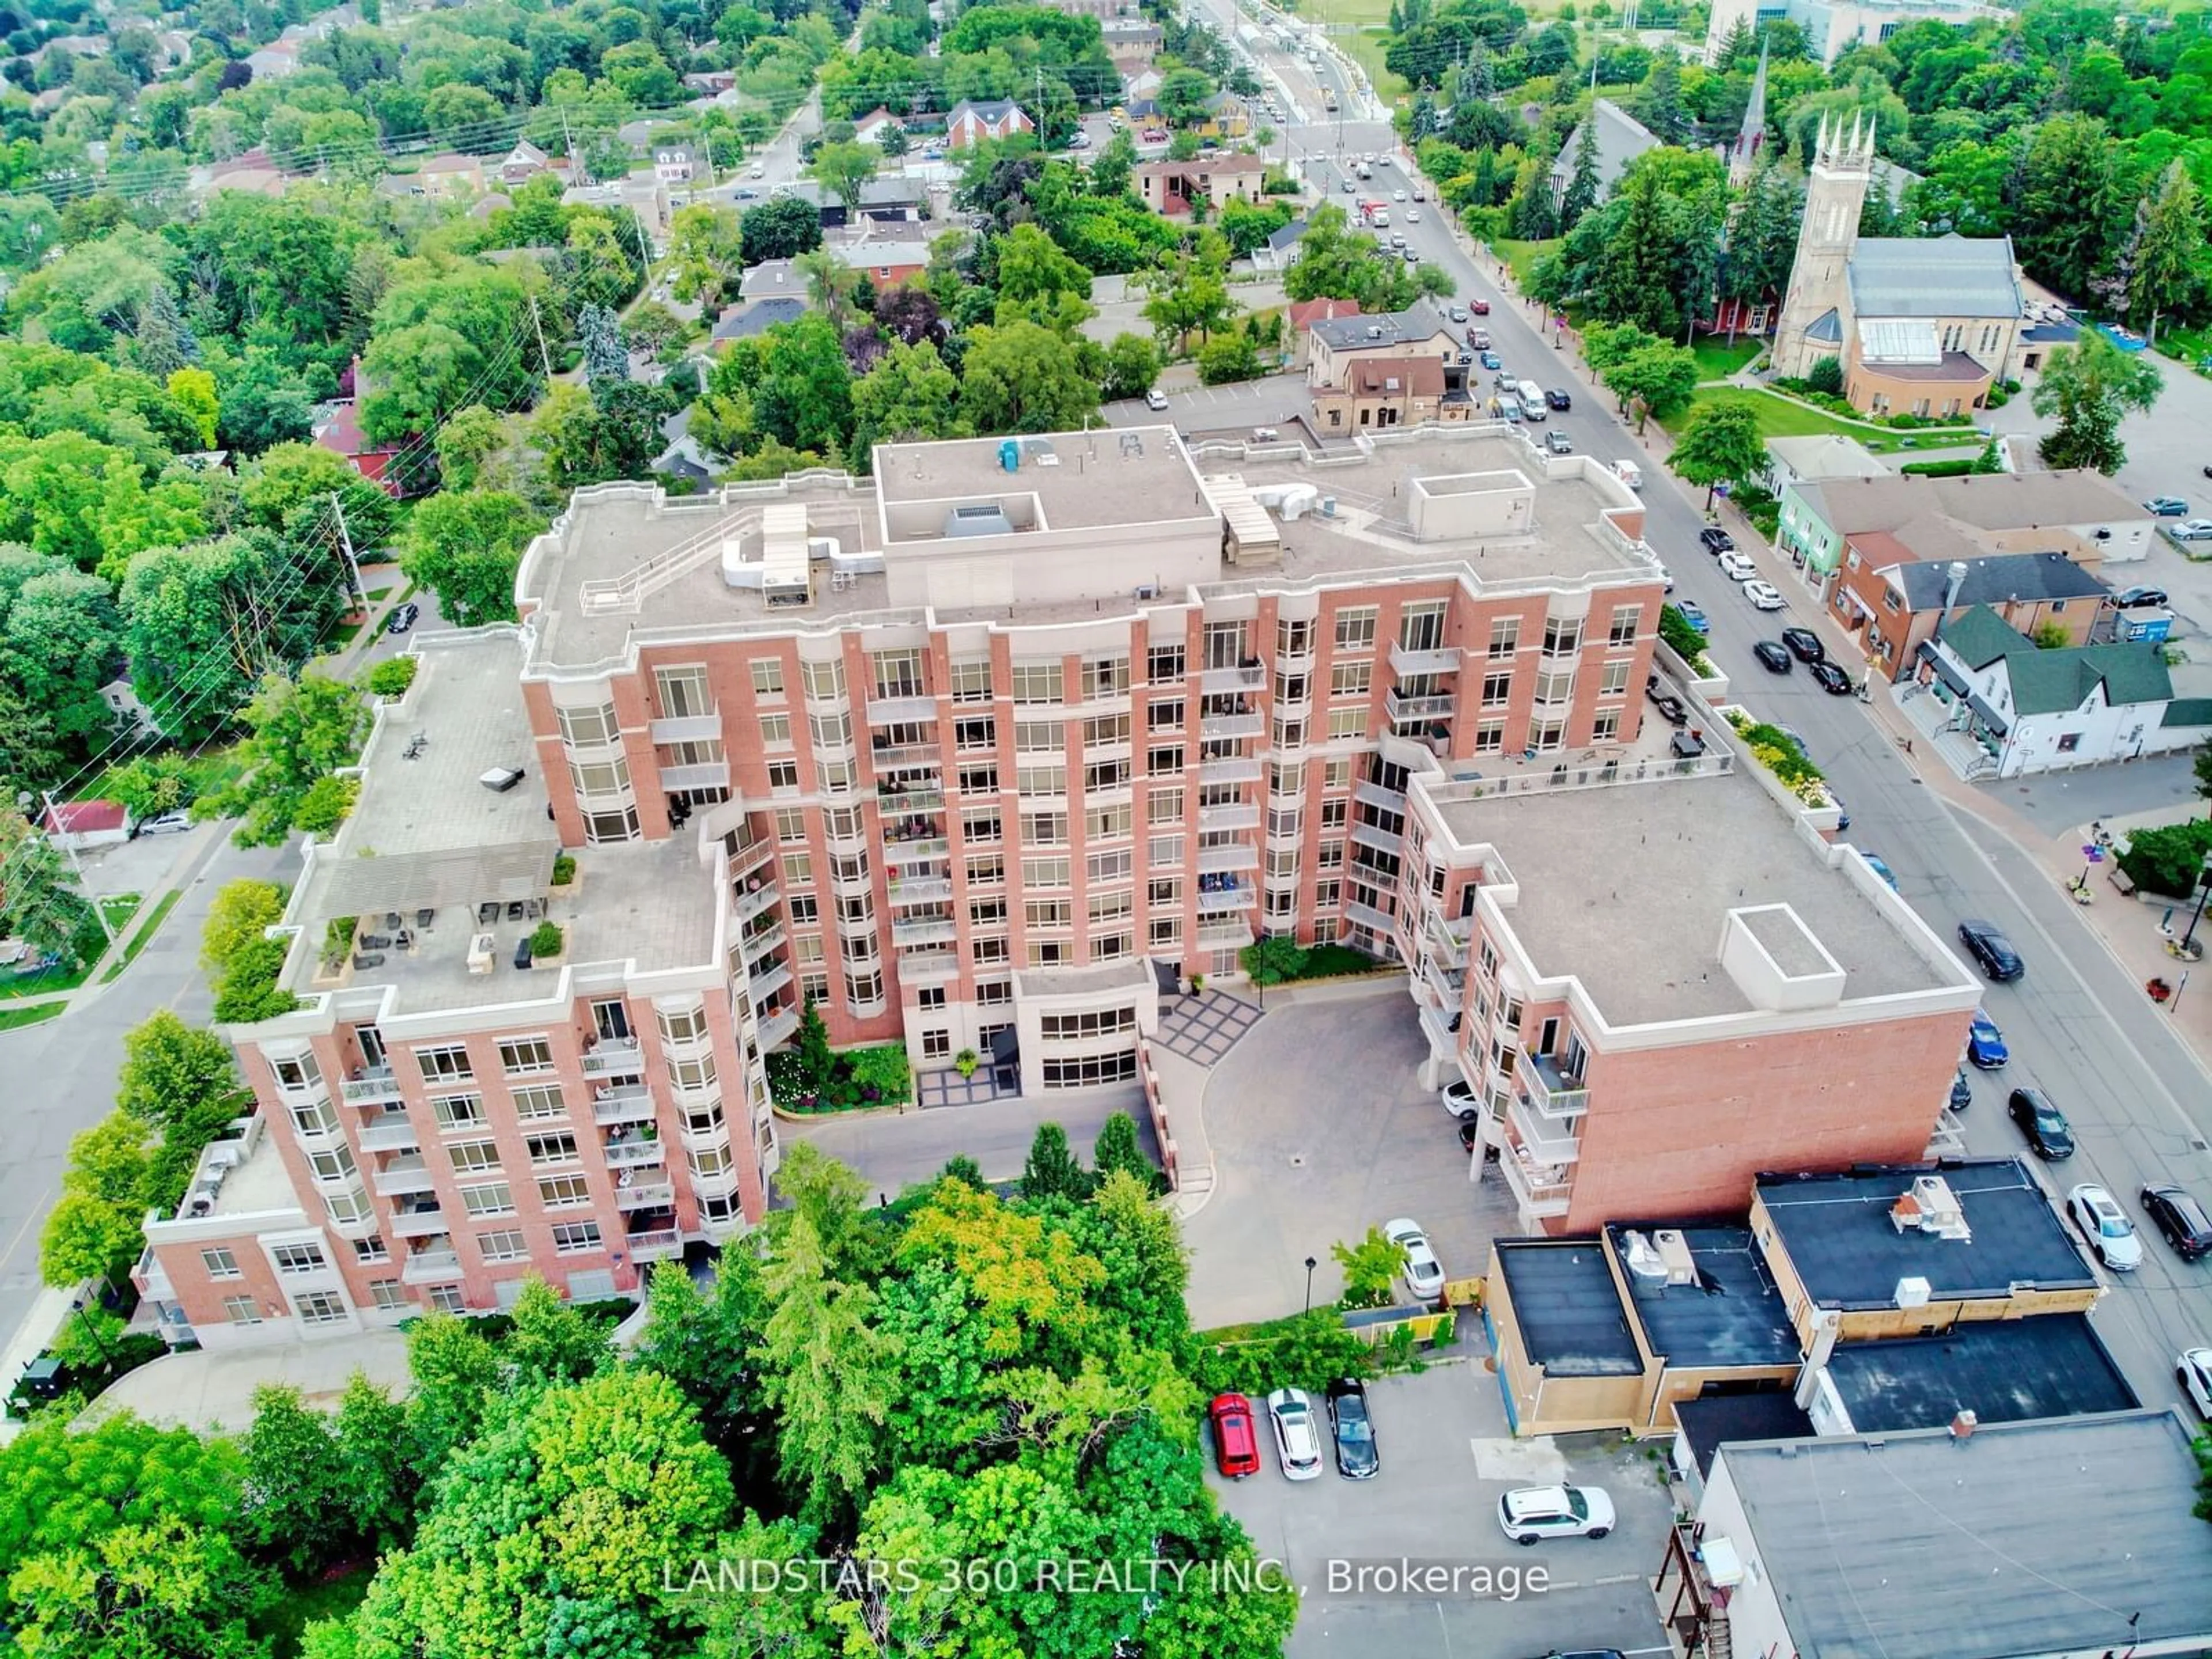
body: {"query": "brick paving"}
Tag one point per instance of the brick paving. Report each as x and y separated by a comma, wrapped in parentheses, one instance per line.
(1204, 1027)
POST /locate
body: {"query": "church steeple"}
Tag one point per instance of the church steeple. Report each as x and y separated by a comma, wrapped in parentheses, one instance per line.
(1743, 155)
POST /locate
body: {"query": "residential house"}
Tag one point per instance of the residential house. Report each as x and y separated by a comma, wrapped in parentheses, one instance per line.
(1304, 314)
(1223, 116)
(78, 826)
(1373, 394)
(675, 164)
(1104, 10)
(886, 263)
(2033, 710)
(396, 469)
(132, 718)
(770, 279)
(1620, 139)
(1947, 1544)
(1140, 88)
(451, 177)
(872, 128)
(274, 61)
(971, 122)
(1420, 331)
(745, 321)
(1817, 458)
(524, 162)
(250, 173)
(1169, 188)
(1905, 602)
(1279, 250)
(712, 83)
(1131, 42)
(895, 199)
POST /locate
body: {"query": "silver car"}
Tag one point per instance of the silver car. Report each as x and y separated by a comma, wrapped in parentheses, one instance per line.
(1297, 1433)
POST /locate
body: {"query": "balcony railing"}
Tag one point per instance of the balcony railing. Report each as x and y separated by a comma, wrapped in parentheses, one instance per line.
(654, 1246)
(1544, 1140)
(1538, 1190)
(1374, 795)
(1249, 676)
(687, 728)
(420, 1223)
(1438, 659)
(1234, 815)
(763, 987)
(1228, 768)
(778, 1027)
(898, 756)
(1240, 856)
(611, 1055)
(1225, 936)
(1381, 841)
(921, 890)
(923, 931)
(1402, 709)
(929, 967)
(406, 1174)
(752, 856)
(635, 1154)
(388, 1132)
(761, 940)
(699, 775)
(1233, 895)
(632, 1103)
(375, 1083)
(1550, 1090)
(431, 1267)
(1226, 728)
(915, 799)
(910, 710)
(645, 1195)
(749, 904)
(1367, 916)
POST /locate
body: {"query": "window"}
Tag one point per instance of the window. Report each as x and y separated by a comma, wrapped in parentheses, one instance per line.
(573, 1237)
(337, 1164)
(446, 1065)
(1070, 1027)
(981, 829)
(1164, 663)
(1352, 679)
(1104, 823)
(1105, 729)
(551, 1149)
(783, 776)
(242, 1310)
(1627, 618)
(1163, 714)
(1333, 814)
(525, 1055)
(930, 996)
(1421, 627)
(1163, 852)
(448, 1298)
(1165, 806)
(1113, 906)
(1606, 728)
(768, 676)
(1562, 635)
(321, 1308)
(684, 692)
(563, 1192)
(387, 1293)
(493, 1198)
(506, 1245)
(1328, 895)
(1046, 872)
(988, 871)
(971, 680)
(1041, 779)
(1110, 775)
(898, 674)
(994, 994)
(936, 1045)
(1164, 929)
(1612, 680)
(1037, 682)
(1088, 1071)
(1504, 636)
(1040, 738)
(2069, 742)
(972, 734)
(682, 1025)
(298, 1258)
(1164, 761)
(1044, 829)
(1110, 867)
(371, 1250)
(220, 1264)
(600, 780)
(1224, 645)
(1355, 629)
(1049, 912)
(458, 1111)
(1498, 689)
(588, 728)
(1346, 723)
(863, 990)
(1490, 737)
(299, 1071)
(1105, 676)
(825, 681)
(776, 731)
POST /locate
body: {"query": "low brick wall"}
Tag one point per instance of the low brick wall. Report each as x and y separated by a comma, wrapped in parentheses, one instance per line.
(1149, 1075)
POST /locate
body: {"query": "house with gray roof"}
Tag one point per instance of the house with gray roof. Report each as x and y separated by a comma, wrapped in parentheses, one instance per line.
(1334, 345)
(744, 322)
(2036, 1539)
(1620, 139)
(2035, 710)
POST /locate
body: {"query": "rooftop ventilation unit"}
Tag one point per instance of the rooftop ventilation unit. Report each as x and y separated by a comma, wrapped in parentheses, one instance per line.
(988, 520)
(1643, 1261)
(1930, 1207)
(500, 779)
(1676, 1257)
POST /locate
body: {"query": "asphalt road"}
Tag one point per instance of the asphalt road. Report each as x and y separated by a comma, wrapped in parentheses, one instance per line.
(66, 1068)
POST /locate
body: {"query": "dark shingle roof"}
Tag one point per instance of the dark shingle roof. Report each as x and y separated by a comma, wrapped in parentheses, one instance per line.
(2009, 577)
(749, 320)
(1419, 321)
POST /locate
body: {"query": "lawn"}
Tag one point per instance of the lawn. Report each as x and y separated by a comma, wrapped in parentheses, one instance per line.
(300, 1605)
(208, 771)
(1522, 256)
(1365, 48)
(2185, 347)
(36, 1013)
(1718, 358)
(1778, 418)
(118, 908)
(142, 938)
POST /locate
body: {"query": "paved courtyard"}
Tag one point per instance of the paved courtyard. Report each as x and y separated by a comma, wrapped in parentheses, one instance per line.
(1205, 1028)
(1319, 1129)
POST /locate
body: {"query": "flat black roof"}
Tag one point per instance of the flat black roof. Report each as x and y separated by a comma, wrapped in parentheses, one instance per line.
(1568, 1308)
(1848, 1254)
(2004, 1371)
(1711, 1421)
(1733, 1315)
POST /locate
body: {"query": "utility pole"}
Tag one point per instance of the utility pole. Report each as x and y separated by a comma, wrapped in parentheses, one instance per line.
(98, 908)
(545, 357)
(345, 543)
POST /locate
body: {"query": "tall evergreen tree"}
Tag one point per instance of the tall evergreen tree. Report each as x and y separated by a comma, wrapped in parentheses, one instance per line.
(1660, 108)
(606, 358)
(1053, 1170)
(2167, 244)
(164, 342)
(1580, 194)
(1530, 217)
(1636, 277)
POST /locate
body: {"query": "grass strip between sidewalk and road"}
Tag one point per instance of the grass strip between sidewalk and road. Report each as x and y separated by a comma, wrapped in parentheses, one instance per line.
(33, 1015)
(142, 938)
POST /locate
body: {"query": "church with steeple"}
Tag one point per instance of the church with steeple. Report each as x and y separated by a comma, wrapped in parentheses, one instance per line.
(1919, 325)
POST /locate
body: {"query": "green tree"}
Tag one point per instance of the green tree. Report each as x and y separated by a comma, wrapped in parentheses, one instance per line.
(780, 230)
(40, 902)
(845, 170)
(175, 1074)
(703, 1339)
(1655, 380)
(2064, 200)
(1228, 357)
(817, 1063)
(1275, 960)
(1023, 378)
(1188, 297)
(704, 247)
(606, 356)
(550, 1340)
(1117, 1153)
(241, 914)
(1052, 1169)
(464, 549)
(1582, 182)
(1133, 363)
(1370, 1267)
(1659, 106)
(165, 1587)
(1720, 443)
(296, 1512)
(376, 1482)
(2087, 389)
(2168, 251)
(61, 640)
(457, 1377)
(1633, 280)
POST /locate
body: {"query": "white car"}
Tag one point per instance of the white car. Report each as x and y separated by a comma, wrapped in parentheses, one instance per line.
(1738, 567)
(1156, 399)
(1383, 161)
(1425, 1275)
(2193, 530)
(173, 823)
(1413, 216)
(2193, 1370)
(2106, 1226)
(1397, 195)
(1534, 1512)
(1297, 1433)
(1461, 1100)
(1763, 596)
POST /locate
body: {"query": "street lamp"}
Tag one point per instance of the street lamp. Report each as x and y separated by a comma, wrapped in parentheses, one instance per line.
(76, 1306)
(1311, 1265)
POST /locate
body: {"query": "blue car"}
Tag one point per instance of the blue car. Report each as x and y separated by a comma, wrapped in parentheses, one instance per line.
(1492, 360)
(1986, 1044)
(1694, 614)
(1874, 863)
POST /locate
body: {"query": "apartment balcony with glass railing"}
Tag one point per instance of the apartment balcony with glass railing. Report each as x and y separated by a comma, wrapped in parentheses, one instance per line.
(1217, 895)
(369, 1085)
(1230, 728)
(898, 756)
(1390, 842)
(1239, 855)
(697, 775)
(928, 967)
(914, 797)
(753, 902)
(1367, 916)
(431, 1267)
(1230, 815)
(1544, 1140)
(1250, 675)
(916, 932)
(1224, 935)
(1432, 659)
(752, 856)
(904, 706)
(634, 1150)
(762, 940)
(1374, 795)
(778, 1027)
(1404, 710)
(1228, 769)
(1550, 1090)
(921, 889)
(418, 1220)
(656, 1244)
(1539, 1190)
(611, 1056)
(388, 1132)
(628, 1103)
(687, 728)
(409, 1172)
(762, 985)
(645, 1195)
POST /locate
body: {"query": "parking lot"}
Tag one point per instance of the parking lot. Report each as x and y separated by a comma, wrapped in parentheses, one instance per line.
(1321, 1129)
(1446, 1458)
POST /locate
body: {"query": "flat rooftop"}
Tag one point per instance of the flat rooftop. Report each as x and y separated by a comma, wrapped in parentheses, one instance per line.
(1628, 887)
(1726, 1419)
(1081, 479)
(1847, 1254)
(1914, 1546)
(239, 1176)
(1733, 1315)
(1568, 1308)
(2004, 1371)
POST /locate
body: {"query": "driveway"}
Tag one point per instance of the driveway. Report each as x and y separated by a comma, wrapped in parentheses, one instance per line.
(1320, 1129)
(1446, 1460)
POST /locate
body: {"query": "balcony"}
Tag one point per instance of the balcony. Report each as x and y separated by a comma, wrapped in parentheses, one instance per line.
(1374, 795)
(1439, 1024)
(1228, 768)
(1438, 659)
(645, 1195)
(388, 1132)
(1295, 659)
(1381, 841)
(751, 856)
(904, 848)
(1230, 728)
(929, 967)
(921, 890)
(923, 931)
(913, 707)
(910, 799)
(654, 1246)
(1226, 897)
(1453, 935)
(631, 1103)
(1539, 1190)
(764, 986)
(1213, 860)
(613, 1056)
(1223, 936)
(762, 940)
(1449, 984)
(778, 1027)
(431, 1267)
(408, 1173)
(635, 1152)
(149, 1273)
(1367, 916)
(424, 1221)
(1550, 1091)
(700, 774)
(1403, 710)
(373, 1084)
(897, 756)
(1543, 1139)
(687, 728)
(1251, 675)
(1233, 815)
(753, 902)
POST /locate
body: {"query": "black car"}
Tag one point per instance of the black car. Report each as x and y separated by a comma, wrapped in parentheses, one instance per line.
(2133, 599)
(1558, 399)
(1670, 706)
(2044, 1124)
(2175, 1212)
(1986, 943)
(1772, 656)
(1716, 540)
(1830, 678)
(1804, 645)
(403, 618)
(1962, 1092)
(1353, 1430)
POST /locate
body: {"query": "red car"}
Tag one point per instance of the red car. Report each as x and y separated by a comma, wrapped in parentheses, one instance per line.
(1236, 1442)
(1479, 307)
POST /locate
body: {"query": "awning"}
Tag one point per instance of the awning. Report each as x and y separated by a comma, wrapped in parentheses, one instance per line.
(1857, 605)
(1957, 682)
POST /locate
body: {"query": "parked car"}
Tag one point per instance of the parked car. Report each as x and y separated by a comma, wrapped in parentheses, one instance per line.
(1694, 614)
(1986, 943)
(1461, 1100)
(1491, 360)
(1425, 1275)
(1830, 678)
(1962, 1090)
(174, 821)
(2145, 598)
(1671, 707)
(2191, 530)
(1236, 1446)
(2106, 1226)
(1353, 1429)
(1986, 1044)
(1479, 307)
(1156, 399)
(403, 617)
(1558, 443)
(1505, 409)
(2175, 1212)
(1559, 398)
(2043, 1124)
(2168, 506)
(1298, 1436)
(1531, 1513)
(1738, 567)
(1771, 656)
(1763, 596)
(1804, 645)
(2193, 1370)
(1458, 314)
(1479, 338)
(1714, 539)
(1874, 863)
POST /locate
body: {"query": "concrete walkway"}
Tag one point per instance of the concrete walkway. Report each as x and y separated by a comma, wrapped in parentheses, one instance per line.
(213, 1392)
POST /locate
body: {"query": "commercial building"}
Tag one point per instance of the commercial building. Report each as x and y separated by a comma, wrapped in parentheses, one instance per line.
(1902, 603)
(978, 754)
(2010, 1370)
(1949, 1544)
(1173, 188)
(1830, 25)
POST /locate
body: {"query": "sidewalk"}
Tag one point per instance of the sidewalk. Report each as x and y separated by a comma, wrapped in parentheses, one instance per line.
(30, 1340)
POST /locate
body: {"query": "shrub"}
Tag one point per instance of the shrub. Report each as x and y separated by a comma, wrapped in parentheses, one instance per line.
(326, 804)
(1227, 357)
(564, 869)
(881, 1073)
(391, 677)
(249, 990)
(1309, 1351)
(2167, 860)
(545, 939)
(966, 1062)
(338, 940)
(1826, 375)
(1684, 641)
